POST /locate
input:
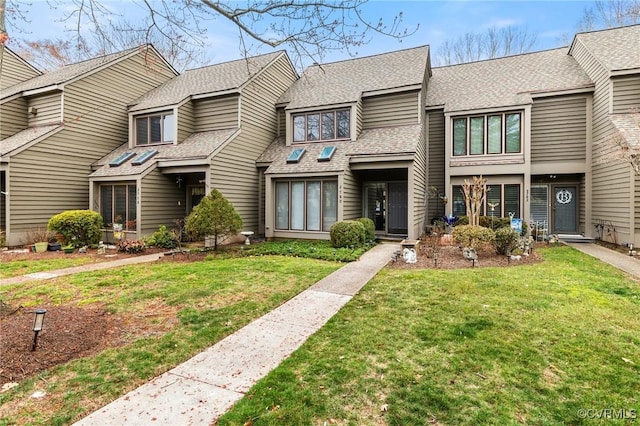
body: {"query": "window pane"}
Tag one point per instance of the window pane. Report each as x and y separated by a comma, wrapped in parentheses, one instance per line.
(459, 208)
(106, 206)
(494, 134)
(155, 123)
(513, 132)
(313, 206)
(329, 204)
(328, 125)
(460, 136)
(120, 210)
(494, 198)
(167, 128)
(131, 213)
(477, 135)
(313, 127)
(343, 127)
(512, 200)
(299, 128)
(297, 205)
(142, 131)
(282, 205)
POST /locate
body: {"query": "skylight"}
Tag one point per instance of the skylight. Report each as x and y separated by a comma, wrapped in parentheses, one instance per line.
(144, 157)
(326, 153)
(295, 155)
(121, 159)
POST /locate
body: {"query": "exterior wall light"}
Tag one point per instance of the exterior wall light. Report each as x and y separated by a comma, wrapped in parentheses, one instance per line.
(38, 324)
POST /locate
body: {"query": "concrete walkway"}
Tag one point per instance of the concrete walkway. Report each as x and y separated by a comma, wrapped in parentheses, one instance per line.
(82, 268)
(200, 390)
(621, 261)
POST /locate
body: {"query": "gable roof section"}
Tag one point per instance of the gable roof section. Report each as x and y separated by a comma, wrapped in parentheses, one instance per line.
(617, 49)
(71, 72)
(504, 82)
(222, 77)
(198, 146)
(345, 81)
(374, 142)
(23, 138)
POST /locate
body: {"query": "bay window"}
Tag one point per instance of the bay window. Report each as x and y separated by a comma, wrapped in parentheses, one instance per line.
(306, 205)
(487, 134)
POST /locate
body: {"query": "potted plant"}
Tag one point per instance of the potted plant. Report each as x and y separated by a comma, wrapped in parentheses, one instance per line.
(68, 249)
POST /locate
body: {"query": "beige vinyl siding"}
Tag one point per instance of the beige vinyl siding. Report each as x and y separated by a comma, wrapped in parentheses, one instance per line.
(637, 205)
(48, 109)
(95, 107)
(233, 170)
(626, 93)
(3, 198)
(435, 123)
(14, 70)
(46, 179)
(282, 122)
(417, 198)
(559, 129)
(161, 202)
(351, 197)
(216, 113)
(390, 110)
(611, 184)
(185, 121)
(13, 117)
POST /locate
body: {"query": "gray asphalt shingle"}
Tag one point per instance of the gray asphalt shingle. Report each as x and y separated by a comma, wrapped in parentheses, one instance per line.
(24, 137)
(616, 48)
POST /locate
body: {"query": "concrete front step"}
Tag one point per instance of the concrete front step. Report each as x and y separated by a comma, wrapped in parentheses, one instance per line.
(575, 238)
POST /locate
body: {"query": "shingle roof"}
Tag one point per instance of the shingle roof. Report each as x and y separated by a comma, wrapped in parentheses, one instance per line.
(197, 146)
(504, 81)
(24, 137)
(381, 141)
(345, 81)
(66, 73)
(629, 127)
(616, 49)
(211, 79)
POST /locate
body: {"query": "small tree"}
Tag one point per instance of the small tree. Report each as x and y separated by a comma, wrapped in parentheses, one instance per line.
(475, 193)
(624, 143)
(214, 216)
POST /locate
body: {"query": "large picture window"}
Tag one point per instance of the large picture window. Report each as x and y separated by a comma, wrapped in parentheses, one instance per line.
(501, 200)
(118, 205)
(310, 205)
(329, 125)
(487, 134)
(152, 129)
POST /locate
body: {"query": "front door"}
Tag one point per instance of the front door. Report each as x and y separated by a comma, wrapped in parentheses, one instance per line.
(398, 206)
(565, 209)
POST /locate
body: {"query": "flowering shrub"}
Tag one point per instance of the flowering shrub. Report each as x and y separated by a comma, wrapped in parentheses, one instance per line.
(131, 246)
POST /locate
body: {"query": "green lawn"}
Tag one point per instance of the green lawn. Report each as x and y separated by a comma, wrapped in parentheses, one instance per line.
(500, 346)
(193, 304)
(15, 268)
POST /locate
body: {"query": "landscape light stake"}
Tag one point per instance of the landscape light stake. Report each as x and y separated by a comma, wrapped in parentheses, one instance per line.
(38, 323)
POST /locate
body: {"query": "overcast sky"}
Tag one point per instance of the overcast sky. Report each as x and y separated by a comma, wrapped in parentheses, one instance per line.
(437, 21)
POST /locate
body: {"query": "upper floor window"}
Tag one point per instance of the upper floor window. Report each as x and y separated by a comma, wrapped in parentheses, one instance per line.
(321, 126)
(487, 134)
(156, 128)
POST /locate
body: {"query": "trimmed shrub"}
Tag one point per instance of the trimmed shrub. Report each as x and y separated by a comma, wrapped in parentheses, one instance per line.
(369, 228)
(496, 223)
(79, 227)
(163, 238)
(506, 240)
(348, 233)
(131, 246)
(472, 236)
